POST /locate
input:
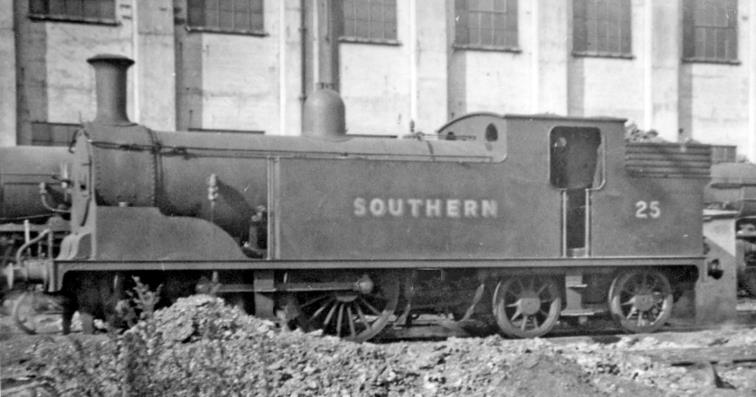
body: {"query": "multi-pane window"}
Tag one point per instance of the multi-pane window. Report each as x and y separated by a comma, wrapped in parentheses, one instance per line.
(73, 9)
(370, 19)
(710, 30)
(486, 23)
(226, 15)
(602, 27)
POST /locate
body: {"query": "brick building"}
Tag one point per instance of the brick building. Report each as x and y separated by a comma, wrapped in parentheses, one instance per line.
(686, 68)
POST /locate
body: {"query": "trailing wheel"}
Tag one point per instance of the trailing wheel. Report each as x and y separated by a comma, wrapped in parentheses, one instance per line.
(640, 300)
(527, 306)
(352, 315)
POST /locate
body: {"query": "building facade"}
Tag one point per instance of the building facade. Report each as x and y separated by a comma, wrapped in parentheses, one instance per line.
(685, 68)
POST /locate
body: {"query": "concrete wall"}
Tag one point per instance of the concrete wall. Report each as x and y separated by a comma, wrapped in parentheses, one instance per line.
(69, 89)
(550, 55)
(716, 101)
(56, 85)
(7, 75)
(243, 82)
(494, 81)
(212, 81)
(375, 81)
(602, 86)
(431, 57)
(154, 70)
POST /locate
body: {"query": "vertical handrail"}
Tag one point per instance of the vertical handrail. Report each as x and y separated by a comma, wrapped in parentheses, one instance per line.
(587, 236)
(27, 231)
(50, 242)
(565, 207)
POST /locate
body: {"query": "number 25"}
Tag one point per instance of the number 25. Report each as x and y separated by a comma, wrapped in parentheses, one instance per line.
(645, 210)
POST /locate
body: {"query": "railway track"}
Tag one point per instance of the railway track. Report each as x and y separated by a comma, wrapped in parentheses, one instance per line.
(433, 328)
(429, 327)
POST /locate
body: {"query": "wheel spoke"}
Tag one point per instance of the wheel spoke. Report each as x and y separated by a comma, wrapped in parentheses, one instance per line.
(350, 318)
(330, 314)
(312, 301)
(630, 301)
(321, 309)
(524, 323)
(634, 310)
(339, 318)
(517, 314)
(361, 315)
(543, 288)
(369, 306)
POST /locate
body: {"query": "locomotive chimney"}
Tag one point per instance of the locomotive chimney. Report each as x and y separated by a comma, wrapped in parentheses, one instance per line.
(110, 82)
(324, 114)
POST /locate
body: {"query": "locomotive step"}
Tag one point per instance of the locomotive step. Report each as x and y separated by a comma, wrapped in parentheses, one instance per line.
(582, 312)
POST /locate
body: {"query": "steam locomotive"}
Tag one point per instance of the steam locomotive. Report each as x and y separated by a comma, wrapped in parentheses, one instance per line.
(32, 203)
(730, 218)
(518, 221)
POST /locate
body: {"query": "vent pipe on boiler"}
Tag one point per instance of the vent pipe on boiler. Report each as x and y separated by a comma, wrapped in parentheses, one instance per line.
(110, 88)
(324, 114)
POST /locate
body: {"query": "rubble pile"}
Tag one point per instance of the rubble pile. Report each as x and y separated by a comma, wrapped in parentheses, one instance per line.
(201, 347)
(493, 366)
(650, 361)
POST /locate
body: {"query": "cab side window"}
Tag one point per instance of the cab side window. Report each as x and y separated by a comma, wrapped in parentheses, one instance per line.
(575, 157)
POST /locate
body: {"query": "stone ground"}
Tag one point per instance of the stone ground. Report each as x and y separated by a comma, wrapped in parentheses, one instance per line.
(715, 362)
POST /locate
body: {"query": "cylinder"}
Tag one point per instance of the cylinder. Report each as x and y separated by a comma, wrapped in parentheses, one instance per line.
(110, 82)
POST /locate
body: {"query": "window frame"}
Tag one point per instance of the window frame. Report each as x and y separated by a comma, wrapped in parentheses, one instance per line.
(691, 27)
(601, 153)
(386, 6)
(510, 34)
(202, 26)
(617, 13)
(40, 10)
(224, 131)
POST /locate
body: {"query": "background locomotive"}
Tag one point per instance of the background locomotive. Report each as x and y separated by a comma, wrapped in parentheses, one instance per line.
(517, 220)
(730, 218)
(31, 202)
